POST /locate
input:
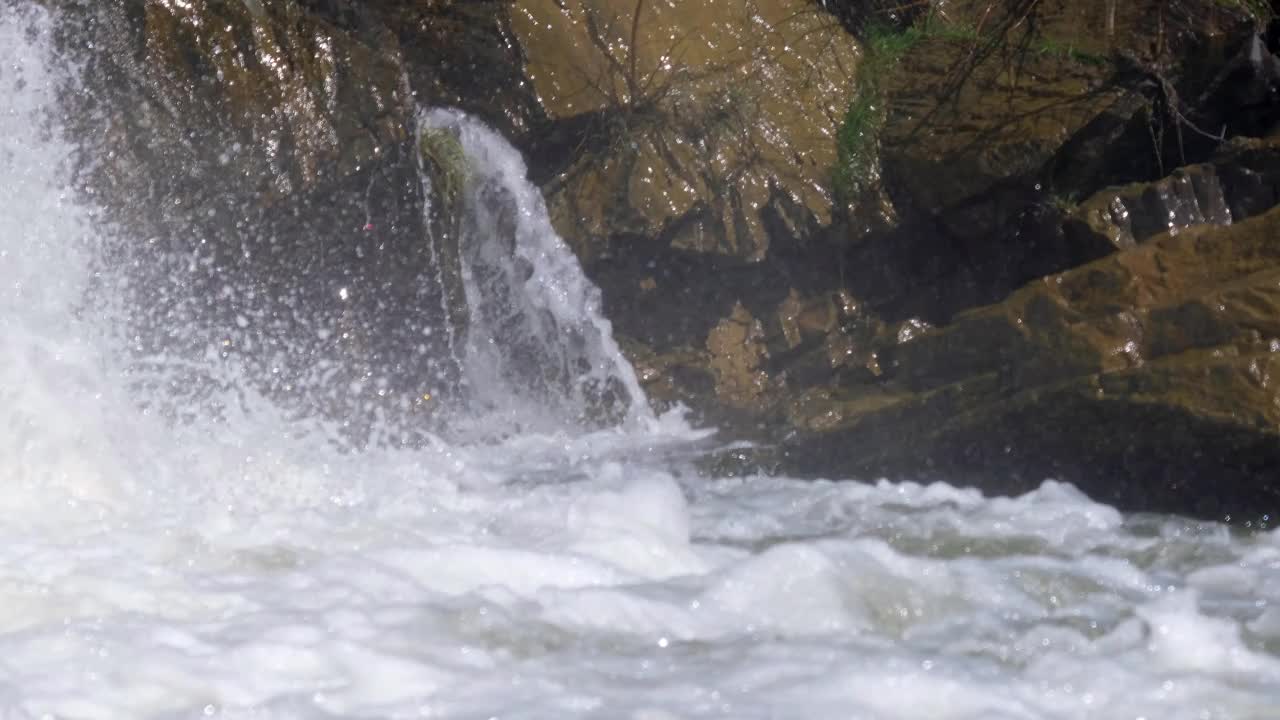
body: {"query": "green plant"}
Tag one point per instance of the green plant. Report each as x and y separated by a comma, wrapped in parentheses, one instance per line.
(1050, 46)
(857, 139)
(446, 161)
(856, 147)
(1065, 202)
(885, 45)
(858, 136)
(951, 30)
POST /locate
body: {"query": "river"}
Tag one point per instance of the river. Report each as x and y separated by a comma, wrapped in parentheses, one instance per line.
(245, 568)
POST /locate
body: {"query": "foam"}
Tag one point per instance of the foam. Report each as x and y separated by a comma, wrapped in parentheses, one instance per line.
(245, 569)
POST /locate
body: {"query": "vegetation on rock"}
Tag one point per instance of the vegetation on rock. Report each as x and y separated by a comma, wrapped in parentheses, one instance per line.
(447, 163)
(993, 132)
(857, 140)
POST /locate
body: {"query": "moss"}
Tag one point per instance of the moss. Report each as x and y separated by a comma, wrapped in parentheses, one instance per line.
(886, 46)
(855, 147)
(956, 31)
(857, 140)
(1068, 51)
(858, 136)
(445, 159)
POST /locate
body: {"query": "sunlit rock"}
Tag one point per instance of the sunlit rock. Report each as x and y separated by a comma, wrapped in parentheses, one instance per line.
(696, 118)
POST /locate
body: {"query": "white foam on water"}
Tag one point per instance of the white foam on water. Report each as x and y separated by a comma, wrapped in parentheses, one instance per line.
(243, 569)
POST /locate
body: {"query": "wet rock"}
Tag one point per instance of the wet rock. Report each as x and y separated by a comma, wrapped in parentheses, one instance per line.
(858, 15)
(1250, 172)
(1242, 180)
(464, 55)
(737, 355)
(960, 160)
(677, 376)
(671, 297)
(1126, 216)
(1146, 377)
(998, 123)
(1143, 374)
(1010, 122)
(261, 163)
(704, 126)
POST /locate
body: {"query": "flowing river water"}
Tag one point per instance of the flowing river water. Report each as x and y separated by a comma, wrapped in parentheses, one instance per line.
(245, 569)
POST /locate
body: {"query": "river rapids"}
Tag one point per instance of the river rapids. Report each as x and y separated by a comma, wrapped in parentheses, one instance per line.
(244, 568)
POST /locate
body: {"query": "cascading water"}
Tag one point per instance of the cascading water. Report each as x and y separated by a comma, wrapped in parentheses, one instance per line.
(57, 391)
(244, 568)
(538, 350)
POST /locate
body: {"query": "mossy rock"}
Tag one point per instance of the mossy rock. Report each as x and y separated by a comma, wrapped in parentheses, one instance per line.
(446, 161)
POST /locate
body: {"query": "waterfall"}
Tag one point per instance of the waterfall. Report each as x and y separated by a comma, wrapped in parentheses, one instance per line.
(538, 353)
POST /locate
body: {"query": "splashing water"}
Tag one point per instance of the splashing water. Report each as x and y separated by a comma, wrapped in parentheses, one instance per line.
(244, 570)
(538, 348)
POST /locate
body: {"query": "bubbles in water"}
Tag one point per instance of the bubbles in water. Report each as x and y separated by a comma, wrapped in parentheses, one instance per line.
(244, 568)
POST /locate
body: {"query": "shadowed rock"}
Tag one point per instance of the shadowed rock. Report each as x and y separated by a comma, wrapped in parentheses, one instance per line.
(996, 122)
(1148, 378)
(260, 163)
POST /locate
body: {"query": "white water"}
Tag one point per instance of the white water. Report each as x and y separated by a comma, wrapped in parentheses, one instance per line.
(234, 570)
(538, 350)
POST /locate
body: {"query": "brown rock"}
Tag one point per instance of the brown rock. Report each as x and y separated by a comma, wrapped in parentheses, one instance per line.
(1242, 180)
(1003, 116)
(737, 358)
(1147, 378)
(706, 121)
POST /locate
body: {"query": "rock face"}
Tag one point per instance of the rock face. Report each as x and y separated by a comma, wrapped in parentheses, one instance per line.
(1063, 151)
(1149, 378)
(269, 153)
(701, 125)
(1240, 181)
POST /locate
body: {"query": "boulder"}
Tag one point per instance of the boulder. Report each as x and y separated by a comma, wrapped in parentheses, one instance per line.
(1147, 378)
(706, 127)
(1240, 181)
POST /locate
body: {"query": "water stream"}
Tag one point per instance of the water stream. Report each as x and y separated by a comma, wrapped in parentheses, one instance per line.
(239, 567)
(538, 353)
